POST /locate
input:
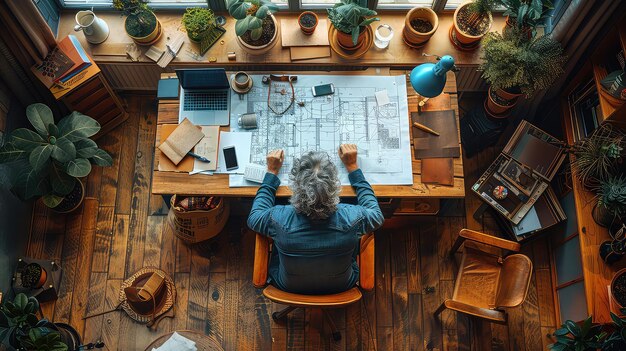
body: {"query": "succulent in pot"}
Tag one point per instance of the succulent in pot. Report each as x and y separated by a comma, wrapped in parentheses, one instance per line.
(308, 21)
(514, 65)
(256, 27)
(350, 19)
(197, 21)
(611, 203)
(141, 23)
(49, 161)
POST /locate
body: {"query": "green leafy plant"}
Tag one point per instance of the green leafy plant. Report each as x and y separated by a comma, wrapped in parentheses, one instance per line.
(612, 194)
(573, 337)
(140, 21)
(20, 326)
(617, 339)
(596, 157)
(483, 7)
(349, 17)
(250, 15)
(511, 60)
(198, 20)
(47, 161)
(527, 14)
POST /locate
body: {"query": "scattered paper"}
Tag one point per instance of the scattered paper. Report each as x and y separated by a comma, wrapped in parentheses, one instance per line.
(177, 342)
(242, 141)
(207, 147)
(382, 98)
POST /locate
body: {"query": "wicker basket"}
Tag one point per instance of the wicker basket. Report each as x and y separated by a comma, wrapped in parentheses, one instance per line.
(198, 225)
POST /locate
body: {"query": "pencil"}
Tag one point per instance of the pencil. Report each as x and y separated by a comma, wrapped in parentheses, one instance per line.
(424, 128)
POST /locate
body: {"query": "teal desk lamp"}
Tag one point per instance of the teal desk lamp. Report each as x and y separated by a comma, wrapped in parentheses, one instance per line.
(429, 79)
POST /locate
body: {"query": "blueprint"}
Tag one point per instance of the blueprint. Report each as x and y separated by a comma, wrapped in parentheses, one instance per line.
(355, 113)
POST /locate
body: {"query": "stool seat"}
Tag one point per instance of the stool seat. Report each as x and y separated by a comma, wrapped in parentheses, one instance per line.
(320, 301)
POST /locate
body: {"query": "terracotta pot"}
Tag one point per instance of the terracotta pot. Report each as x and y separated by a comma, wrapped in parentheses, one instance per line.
(308, 30)
(262, 49)
(509, 23)
(414, 37)
(496, 109)
(150, 38)
(345, 39)
(465, 38)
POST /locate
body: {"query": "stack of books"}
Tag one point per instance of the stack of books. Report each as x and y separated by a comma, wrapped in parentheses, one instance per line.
(63, 63)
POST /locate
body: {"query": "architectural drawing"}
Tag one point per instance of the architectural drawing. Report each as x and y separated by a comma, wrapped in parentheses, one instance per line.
(350, 115)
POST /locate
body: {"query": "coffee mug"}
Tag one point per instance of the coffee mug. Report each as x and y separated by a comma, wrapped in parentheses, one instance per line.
(242, 80)
(247, 121)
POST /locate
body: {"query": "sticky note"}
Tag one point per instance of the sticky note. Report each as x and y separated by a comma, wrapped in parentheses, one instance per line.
(382, 98)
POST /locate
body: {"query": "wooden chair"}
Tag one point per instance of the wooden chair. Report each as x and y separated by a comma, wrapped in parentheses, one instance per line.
(488, 282)
(365, 260)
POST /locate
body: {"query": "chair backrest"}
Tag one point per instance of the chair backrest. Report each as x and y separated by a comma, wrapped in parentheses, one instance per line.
(514, 281)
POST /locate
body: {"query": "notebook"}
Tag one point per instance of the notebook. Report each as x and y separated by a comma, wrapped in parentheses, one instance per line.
(181, 141)
(165, 164)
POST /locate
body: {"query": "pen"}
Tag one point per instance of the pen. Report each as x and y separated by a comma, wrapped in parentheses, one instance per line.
(424, 128)
(200, 158)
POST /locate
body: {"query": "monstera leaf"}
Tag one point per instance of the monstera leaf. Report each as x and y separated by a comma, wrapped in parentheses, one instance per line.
(41, 117)
(77, 126)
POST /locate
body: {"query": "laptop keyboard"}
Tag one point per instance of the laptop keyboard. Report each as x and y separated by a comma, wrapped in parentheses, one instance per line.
(206, 101)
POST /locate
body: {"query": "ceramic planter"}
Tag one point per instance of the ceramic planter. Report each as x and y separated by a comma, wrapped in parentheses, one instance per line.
(150, 38)
(262, 49)
(308, 30)
(411, 36)
(463, 38)
(345, 40)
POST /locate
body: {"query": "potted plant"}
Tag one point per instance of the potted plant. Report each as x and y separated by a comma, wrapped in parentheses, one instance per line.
(526, 15)
(618, 288)
(256, 27)
(21, 329)
(574, 337)
(611, 200)
(612, 251)
(617, 339)
(350, 19)
(197, 21)
(471, 21)
(420, 24)
(141, 24)
(598, 156)
(49, 161)
(308, 22)
(514, 65)
(33, 276)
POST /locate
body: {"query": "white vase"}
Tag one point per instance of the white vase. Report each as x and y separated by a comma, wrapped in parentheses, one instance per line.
(95, 29)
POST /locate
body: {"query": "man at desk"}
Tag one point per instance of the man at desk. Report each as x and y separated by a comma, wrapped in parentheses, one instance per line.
(316, 239)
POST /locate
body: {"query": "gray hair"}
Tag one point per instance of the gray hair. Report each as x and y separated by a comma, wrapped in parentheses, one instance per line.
(315, 185)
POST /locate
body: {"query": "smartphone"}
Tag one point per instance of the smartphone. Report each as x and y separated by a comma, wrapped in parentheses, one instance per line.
(324, 89)
(230, 158)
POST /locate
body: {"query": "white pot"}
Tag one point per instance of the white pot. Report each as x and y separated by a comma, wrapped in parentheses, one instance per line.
(95, 29)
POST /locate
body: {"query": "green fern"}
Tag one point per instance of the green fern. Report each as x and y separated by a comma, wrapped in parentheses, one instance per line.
(511, 60)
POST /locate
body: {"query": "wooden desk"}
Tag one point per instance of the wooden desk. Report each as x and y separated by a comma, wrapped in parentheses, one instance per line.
(200, 184)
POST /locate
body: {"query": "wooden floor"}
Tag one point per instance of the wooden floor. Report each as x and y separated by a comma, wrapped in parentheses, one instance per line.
(122, 228)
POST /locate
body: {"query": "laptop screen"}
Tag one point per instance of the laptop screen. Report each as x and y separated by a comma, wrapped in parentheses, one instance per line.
(203, 78)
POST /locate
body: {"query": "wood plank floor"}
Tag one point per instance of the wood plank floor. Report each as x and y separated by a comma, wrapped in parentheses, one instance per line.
(122, 227)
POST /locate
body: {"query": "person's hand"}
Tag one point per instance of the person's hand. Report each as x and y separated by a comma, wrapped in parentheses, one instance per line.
(347, 154)
(275, 161)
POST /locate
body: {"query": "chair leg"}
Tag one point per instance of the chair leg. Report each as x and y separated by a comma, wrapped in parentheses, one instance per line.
(333, 328)
(440, 309)
(280, 315)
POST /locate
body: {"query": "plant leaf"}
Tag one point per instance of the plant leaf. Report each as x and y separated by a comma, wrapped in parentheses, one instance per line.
(241, 26)
(8, 153)
(76, 126)
(255, 34)
(101, 158)
(26, 139)
(40, 116)
(61, 182)
(29, 183)
(239, 10)
(255, 23)
(63, 150)
(85, 148)
(51, 200)
(79, 167)
(20, 301)
(261, 13)
(40, 157)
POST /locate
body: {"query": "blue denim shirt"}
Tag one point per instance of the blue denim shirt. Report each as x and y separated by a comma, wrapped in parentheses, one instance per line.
(315, 256)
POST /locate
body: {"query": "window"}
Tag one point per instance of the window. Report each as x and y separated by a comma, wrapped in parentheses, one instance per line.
(386, 4)
(155, 3)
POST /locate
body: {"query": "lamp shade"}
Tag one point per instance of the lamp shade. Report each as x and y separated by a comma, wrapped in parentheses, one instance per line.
(428, 79)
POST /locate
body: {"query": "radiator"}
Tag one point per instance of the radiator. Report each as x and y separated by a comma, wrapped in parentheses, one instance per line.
(133, 76)
(468, 79)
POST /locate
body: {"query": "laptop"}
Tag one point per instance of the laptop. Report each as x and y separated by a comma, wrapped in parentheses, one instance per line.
(204, 96)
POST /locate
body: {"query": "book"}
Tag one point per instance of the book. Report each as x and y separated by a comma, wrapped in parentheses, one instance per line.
(181, 141)
(165, 165)
(56, 64)
(167, 88)
(72, 48)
